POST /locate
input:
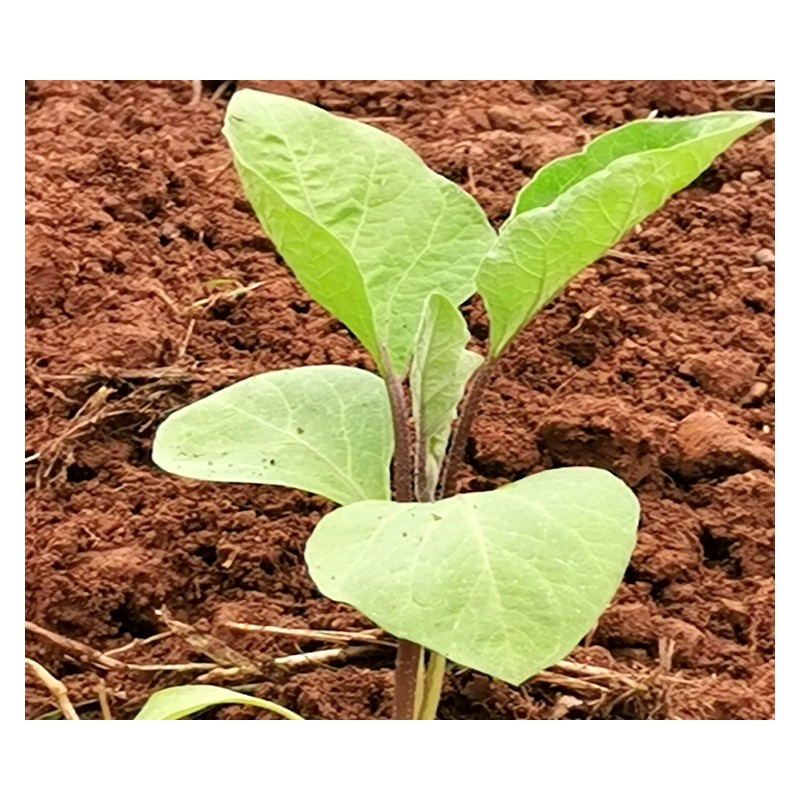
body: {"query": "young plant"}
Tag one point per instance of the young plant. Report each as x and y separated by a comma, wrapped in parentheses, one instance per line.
(505, 582)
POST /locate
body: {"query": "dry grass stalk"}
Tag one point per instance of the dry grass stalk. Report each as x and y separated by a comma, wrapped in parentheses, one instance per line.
(374, 637)
(55, 687)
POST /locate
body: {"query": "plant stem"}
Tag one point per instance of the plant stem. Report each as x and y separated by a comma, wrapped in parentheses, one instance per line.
(455, 455)
(406, 680)
(423, 492)
(434, 676)
(417, 687)
(423, 700)
(401, 463)
(407, 683)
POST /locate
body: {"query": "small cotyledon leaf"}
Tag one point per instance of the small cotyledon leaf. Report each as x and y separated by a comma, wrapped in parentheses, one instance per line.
(506, 582)
(577, 207)
(367, 228)
(324, 429)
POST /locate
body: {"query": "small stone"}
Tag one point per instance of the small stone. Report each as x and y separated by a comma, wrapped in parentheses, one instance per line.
(756, 392)
(727, 188)
(504, 118)
(764, 256)
(169, 231)
(750, 177)
(478, 689)
(728, 375)
(736, 611)
(478, 117)
(704, 445)
(99, 217)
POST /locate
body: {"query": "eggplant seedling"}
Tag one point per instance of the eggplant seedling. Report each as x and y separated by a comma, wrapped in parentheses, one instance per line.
(508, 581)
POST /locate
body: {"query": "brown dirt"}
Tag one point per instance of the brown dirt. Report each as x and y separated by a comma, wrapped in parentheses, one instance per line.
(132, 208)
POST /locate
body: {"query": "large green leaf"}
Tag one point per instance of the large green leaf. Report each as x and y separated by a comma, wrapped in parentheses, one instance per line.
(324, 429)
(440, 368)
(506, 582)
(183, 701)
(367, 228)
(577, 207)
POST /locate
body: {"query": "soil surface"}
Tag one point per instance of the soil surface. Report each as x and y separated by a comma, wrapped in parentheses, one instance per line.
(150, 284)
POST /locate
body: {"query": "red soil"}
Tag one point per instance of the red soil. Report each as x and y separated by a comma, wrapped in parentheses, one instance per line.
(132, 208)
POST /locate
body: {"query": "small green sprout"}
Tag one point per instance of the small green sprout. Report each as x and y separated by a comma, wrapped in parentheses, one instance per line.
(506, 582)
(180, 702)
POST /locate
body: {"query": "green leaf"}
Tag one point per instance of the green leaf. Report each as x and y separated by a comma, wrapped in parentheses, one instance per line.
(323, 429)
(367, 228)
(183, 701)
(577, 207)
(440, 369)
(505, 582)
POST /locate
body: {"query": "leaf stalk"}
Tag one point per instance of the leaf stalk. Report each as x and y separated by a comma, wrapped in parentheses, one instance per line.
(458, 446)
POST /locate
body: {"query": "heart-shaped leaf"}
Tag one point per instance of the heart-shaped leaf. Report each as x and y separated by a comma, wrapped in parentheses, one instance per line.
(324, 429)
(506, 582)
